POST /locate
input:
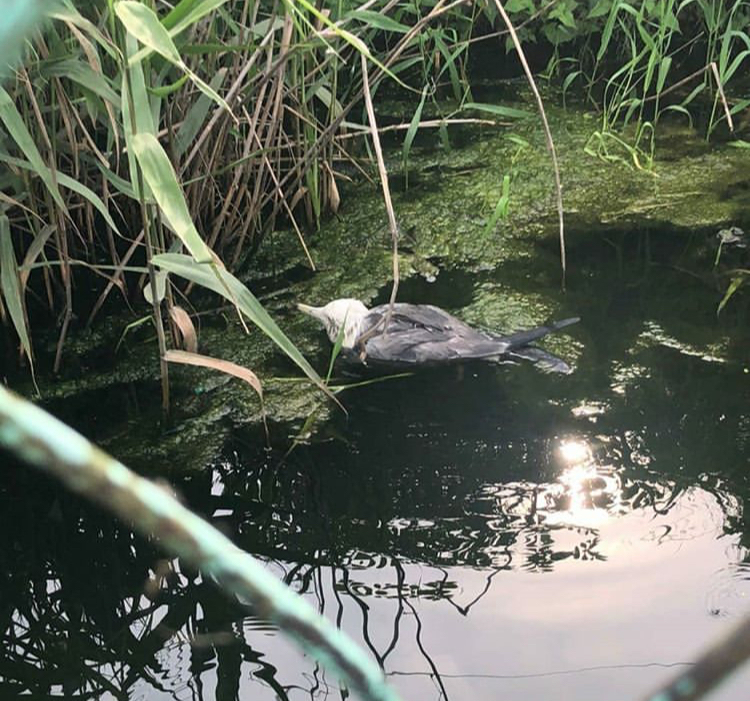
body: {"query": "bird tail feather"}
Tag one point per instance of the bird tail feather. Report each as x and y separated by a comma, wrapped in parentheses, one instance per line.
(522, 338)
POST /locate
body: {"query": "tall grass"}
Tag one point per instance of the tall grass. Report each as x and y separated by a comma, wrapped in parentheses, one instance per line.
(644, 53)
(129, 130)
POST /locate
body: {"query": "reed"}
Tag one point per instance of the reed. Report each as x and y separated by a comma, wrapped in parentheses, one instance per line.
(133, 132)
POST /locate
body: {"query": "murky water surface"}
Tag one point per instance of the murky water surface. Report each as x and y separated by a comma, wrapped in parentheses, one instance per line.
(488, 532)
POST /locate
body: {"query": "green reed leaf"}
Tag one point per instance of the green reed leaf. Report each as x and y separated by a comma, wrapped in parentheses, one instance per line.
(162, 180)
(16, 127)
(11, 287)
(378, 21)
(143, 23)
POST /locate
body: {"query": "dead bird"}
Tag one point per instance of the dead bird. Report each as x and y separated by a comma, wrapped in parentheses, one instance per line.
(419, 335)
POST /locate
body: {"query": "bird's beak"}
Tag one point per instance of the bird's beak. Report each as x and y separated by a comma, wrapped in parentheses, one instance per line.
(312, 311)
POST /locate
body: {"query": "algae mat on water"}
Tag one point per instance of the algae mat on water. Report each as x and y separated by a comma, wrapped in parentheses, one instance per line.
(443, 217)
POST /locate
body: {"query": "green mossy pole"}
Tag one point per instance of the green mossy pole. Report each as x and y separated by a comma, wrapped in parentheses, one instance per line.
(40, 439)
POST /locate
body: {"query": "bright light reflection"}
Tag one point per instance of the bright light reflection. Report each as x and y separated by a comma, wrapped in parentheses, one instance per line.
(590, 491)
(575, 452)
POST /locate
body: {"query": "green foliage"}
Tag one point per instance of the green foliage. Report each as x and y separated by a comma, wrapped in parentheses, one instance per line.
(629, 55)
(10, 287)
(336, 350)
(162, 181)
(16, 127)
(502, 207)
(737, 281)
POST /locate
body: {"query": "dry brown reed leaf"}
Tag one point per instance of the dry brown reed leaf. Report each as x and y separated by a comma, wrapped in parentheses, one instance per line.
(185, 327)
(717, 77)
(334, 199)
(225, 366)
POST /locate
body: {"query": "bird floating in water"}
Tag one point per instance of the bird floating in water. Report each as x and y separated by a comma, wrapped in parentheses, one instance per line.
(420, 335)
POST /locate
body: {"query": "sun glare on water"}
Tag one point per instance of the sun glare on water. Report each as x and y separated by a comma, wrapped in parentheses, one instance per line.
(590, 490)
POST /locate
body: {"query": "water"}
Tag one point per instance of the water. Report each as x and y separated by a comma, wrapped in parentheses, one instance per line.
(489, 532)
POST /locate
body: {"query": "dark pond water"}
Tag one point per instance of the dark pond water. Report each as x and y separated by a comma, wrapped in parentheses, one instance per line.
(487, 533)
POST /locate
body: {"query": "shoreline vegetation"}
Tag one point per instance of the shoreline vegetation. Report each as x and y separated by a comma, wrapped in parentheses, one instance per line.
(152, 147)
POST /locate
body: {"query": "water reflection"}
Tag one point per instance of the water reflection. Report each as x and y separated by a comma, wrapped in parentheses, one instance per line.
(406, 586)
(485, 536)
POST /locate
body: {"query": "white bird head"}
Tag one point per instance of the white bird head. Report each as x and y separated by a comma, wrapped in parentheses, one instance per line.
(349, 313)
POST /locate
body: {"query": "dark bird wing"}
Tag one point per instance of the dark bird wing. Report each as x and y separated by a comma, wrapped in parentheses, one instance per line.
(541, 358)
(523, 338)
(407, 317)
(420, 334)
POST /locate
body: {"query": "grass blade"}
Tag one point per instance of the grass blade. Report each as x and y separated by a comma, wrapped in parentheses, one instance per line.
(187, 12)
(180, 19)
(11, 287)
(32, 253)
(143, 23)
(135, 98)
(378, 21)
(86, 77)
(225, 366)
(338, 344)
(224, 283)
(196, 116)
(14, 123)
(411, 132)
(734, 285)
(162, 180)
(66, 12)
(501, 208)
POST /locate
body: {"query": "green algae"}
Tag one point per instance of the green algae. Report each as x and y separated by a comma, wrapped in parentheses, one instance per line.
(511, 271)
(452, 193)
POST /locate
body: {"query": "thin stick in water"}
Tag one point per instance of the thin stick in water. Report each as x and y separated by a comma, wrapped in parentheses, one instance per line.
(386, 196)
(547, 132)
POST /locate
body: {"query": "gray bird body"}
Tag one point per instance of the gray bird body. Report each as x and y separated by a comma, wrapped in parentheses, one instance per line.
(419, 335)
